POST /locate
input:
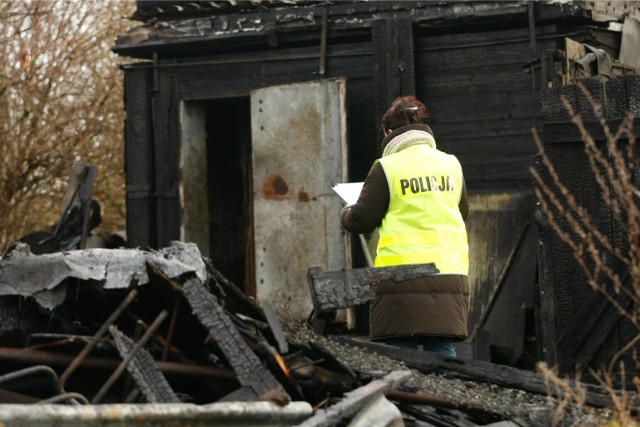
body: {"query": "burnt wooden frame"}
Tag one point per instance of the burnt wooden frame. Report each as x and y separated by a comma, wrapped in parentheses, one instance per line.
(579, 328)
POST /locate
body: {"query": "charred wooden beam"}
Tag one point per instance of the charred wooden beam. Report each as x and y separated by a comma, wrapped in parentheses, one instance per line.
(142, 368)
(128, 357)
(495, 291)
(344, 18)
(568, 132)
(332, 290)
(394, 70)
(247, 365)
(347, 288)
(501, 375)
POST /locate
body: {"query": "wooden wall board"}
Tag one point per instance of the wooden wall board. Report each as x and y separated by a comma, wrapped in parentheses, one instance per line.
(393, 64)
(589, 331)
(481, 101)
(139, 159)
(166, 167)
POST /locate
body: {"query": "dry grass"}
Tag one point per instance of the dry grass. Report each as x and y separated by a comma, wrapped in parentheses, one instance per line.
(61, 99)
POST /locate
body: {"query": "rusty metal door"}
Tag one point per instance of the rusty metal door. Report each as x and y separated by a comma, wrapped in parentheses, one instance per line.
(298, 153)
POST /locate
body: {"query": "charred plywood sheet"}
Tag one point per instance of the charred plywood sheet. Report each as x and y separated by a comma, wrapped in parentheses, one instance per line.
(299, 153)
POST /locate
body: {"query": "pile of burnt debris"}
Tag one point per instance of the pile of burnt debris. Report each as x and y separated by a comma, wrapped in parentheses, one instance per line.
(132, 337)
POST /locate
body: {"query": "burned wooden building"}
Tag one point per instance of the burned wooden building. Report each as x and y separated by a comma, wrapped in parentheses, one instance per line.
(242, 115)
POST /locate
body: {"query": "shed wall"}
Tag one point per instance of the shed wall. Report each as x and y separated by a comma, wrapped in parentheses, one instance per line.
(475, 79)
(579, 327)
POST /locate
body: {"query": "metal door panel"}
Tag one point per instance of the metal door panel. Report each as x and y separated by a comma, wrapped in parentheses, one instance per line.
(299, 153)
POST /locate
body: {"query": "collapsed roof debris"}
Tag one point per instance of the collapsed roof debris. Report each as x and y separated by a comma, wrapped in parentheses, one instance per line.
(200, 364)
(45, 277)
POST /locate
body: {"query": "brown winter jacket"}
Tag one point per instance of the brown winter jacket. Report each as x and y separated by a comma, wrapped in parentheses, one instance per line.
(432, 305)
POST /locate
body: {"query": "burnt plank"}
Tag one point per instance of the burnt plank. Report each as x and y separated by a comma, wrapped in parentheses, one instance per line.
(393, 61)
(487, 105)
(347, 288)
(218, 80)
(545, 306)
(494, 171)
(247, 365)
(139, 158)
(479, 371)
(142, 367)
(167, 174)
(504, 315)
(567, 132)
(345, 19)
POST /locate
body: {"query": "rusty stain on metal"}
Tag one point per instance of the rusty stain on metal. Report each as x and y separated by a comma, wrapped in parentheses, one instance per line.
(303, 196)
(275, 187)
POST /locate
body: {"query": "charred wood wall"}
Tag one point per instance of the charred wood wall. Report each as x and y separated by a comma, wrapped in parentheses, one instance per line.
(139, 151)
(474, 76)
(578, 326)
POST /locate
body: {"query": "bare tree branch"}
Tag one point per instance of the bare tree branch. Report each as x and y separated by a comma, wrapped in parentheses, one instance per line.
(61, 99)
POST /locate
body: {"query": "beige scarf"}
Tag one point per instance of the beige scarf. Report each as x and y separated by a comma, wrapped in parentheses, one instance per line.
(408, 139)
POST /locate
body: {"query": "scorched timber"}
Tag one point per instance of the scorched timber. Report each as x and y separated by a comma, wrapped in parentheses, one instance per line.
(247, 365)
(331, 290)
(143, 369)
(476, 370)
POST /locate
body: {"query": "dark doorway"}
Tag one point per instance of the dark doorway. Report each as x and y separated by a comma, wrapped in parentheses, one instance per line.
(228, 125)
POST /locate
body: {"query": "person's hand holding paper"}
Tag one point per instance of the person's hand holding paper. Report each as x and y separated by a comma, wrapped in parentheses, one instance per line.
(349, 192)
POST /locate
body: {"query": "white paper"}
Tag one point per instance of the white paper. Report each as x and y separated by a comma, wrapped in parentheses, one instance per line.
(349, 191)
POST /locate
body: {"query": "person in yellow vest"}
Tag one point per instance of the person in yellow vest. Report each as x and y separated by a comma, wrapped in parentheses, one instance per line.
(416, 196)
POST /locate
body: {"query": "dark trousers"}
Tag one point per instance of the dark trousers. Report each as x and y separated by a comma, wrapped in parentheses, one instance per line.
(440, 345)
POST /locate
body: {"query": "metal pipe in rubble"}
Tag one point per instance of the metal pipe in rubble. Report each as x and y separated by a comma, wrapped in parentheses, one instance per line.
(94, 341)
(37, 357)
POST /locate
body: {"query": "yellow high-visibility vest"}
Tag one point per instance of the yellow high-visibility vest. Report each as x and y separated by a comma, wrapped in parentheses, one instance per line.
(423, 223)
